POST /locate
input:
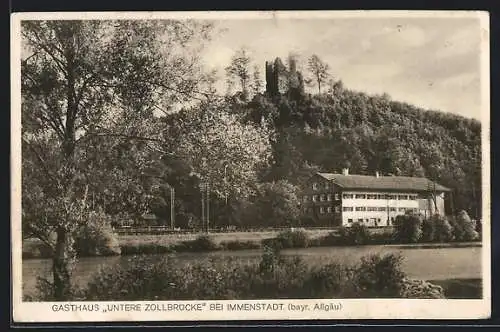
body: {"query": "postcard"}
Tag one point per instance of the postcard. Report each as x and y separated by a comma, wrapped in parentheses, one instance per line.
(284, 165)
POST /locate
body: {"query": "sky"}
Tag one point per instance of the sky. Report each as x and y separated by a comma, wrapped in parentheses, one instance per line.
(432, 63)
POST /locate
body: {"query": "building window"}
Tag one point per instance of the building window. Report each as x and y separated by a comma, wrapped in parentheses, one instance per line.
(371, 196)
(349, 220)
(322, 197)
(315, 186)
(315, 198)
(381, 208)
(393, 209)
(337, 197)
(322, 210)
(327, 185)
(390, 196)
(329, 209)
(360, 208)
(329, 197)
(367, 220)
(347, 209)
(347, 196)
(360, 220)
(392, 220)
(361, 196)
(402, 209)
(403, 197)
(305, 198)
(337, 209)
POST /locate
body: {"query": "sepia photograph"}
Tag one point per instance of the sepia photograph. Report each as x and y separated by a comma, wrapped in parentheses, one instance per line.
(272, 165)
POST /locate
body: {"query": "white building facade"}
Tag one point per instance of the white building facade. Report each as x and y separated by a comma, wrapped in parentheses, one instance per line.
(341, 199)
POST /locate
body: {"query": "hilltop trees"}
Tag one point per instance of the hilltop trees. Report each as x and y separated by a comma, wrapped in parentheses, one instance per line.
(89, 90)
(239, 70)
(319, 71)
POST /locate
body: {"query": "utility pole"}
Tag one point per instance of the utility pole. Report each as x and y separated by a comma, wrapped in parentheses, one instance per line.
(208, 207)
(172, 208)
(202, 190)
(225, 181)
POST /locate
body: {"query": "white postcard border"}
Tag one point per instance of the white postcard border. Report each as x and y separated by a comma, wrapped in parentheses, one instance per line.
(349, 308)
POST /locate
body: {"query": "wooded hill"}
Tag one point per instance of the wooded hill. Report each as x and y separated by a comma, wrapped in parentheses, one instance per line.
(345, 128)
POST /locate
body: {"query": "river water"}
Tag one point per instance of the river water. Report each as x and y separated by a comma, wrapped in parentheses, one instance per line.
(419, 263)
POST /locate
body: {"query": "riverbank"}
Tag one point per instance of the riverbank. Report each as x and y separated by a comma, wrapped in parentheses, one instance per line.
(461, 288)
(173, 243)
(456, 270)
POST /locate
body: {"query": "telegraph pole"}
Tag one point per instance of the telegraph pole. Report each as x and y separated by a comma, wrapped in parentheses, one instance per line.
(208, 207)
(202, 205)
(172, 207)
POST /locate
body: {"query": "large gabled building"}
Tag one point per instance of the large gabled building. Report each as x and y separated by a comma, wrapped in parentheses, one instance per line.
(341, 199)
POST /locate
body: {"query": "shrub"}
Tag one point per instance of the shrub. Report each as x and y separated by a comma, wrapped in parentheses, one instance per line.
(239, 245)
(332, 280)
(358, 234)
(428, 231)
(408, 228)
(36, 249)
(384, 237)
(277, 204)
(293, 239)
(332, 239)
(420, 289)
(200, 244)
(45, 292)
(464, 228)
(97, 237)
(443, 231)
(275, 276)
(379, 276)
(272, 243)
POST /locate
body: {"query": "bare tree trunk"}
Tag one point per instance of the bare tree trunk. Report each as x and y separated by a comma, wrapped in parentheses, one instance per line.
(61, 266)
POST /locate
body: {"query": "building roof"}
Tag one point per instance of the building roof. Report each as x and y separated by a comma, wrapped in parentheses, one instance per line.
(383, 182)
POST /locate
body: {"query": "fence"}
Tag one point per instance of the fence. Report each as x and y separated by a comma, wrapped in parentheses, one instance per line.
(160, 230)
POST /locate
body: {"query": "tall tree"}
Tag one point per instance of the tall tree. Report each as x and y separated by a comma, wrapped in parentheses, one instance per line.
(239, 69)
(319, 71)
(89, 93)
(257, 80)
(223, 153)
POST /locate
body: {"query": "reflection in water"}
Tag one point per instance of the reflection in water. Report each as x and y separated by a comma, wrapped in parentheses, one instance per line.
(429, 264)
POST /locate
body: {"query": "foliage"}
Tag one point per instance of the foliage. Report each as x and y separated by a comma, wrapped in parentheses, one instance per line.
(372, 133)
(276, 204)
(219, 149)
(239, 69)
(96, 237)
(464, 228)
(289, 239)
(319, 70)
(380, 276)
(202, 243)
(443, 231)
(239, 245)
(275, 276)
(421, 289)
(88, 93)
(408, 228)
(428, 230)
(357, 234)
